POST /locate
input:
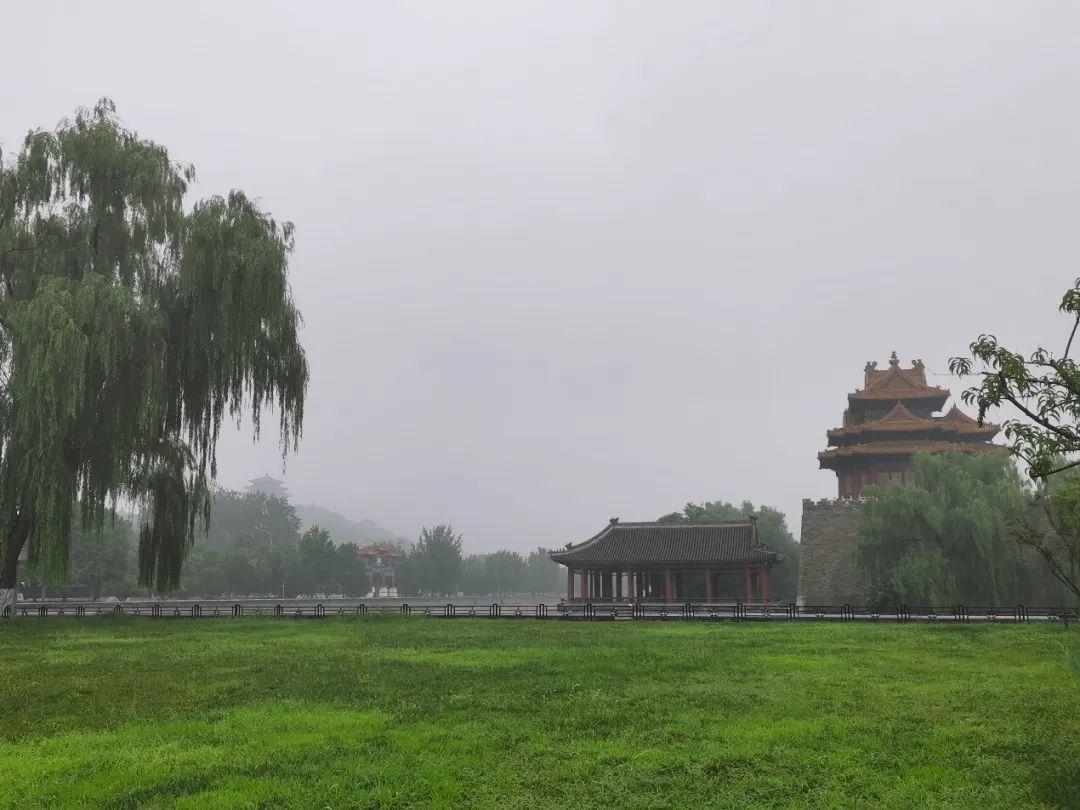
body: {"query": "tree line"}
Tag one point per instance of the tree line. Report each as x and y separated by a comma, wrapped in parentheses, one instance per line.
(253, 545)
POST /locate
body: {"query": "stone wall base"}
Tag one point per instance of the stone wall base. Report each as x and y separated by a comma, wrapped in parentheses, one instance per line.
(828, 572)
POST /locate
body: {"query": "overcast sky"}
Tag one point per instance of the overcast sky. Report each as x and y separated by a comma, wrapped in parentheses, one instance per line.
(560, 261)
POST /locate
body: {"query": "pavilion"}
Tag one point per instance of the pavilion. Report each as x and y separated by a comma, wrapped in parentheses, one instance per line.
(661, 561)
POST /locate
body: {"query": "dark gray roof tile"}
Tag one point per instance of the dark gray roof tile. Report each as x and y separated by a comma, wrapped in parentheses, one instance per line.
(677, 544)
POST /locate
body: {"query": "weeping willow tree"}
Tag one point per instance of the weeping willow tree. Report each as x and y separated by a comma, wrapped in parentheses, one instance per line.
(130, 327)
(948, 538)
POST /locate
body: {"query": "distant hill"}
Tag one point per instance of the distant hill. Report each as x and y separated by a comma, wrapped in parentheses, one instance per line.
(341, 528)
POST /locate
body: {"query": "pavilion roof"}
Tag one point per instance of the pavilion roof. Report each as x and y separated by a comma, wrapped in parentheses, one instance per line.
(379, 550)
(673, 544)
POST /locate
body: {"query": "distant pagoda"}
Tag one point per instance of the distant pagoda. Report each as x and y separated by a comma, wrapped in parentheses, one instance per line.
(269, 486)
(890, 419)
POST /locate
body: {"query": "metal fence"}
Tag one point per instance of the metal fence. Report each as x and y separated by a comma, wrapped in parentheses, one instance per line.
(571, 611)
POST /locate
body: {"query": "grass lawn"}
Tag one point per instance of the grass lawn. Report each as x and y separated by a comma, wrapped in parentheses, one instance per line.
(396, 711)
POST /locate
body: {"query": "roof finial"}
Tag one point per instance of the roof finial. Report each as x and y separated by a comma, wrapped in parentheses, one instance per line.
(894, 360)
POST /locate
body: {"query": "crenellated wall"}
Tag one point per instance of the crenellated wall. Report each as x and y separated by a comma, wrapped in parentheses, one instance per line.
(828, 573)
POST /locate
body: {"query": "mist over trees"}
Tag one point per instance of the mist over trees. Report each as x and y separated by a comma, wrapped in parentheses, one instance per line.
(507, 572)
(253, 545)
(102, 563)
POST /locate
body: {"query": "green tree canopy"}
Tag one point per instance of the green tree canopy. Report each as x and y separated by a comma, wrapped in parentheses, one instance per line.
(474, 579)
(350, 571)
(433, 564)
(318, 561)
(544, 574)
(946, 539)
(507, 572)
(130, 326)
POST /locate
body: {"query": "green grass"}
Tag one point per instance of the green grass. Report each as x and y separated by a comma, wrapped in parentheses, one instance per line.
(378, 712)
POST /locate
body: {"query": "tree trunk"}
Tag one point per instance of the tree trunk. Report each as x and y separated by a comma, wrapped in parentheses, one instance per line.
(9, 565)
(9, 584)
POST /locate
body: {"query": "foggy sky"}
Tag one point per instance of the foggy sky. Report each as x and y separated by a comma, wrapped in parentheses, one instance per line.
(561, 261)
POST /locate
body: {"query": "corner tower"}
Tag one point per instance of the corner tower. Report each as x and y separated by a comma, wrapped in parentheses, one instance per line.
(891, 418)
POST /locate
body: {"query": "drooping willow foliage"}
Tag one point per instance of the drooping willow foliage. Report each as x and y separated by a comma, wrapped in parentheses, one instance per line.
(948, 539)
(130, 327)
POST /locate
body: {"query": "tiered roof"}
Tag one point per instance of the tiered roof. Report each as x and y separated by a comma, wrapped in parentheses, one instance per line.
(269, 485)
(901, 449)
(909, 426)
(897, 384)
(948, 427)
(669, 544)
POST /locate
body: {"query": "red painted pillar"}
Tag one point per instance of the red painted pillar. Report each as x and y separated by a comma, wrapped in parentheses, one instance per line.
(569, 584)
(749, 585)
(708, 585)
(630, 589)
(586, 590)
(768, 586)
(669, 586)
(618, 585)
